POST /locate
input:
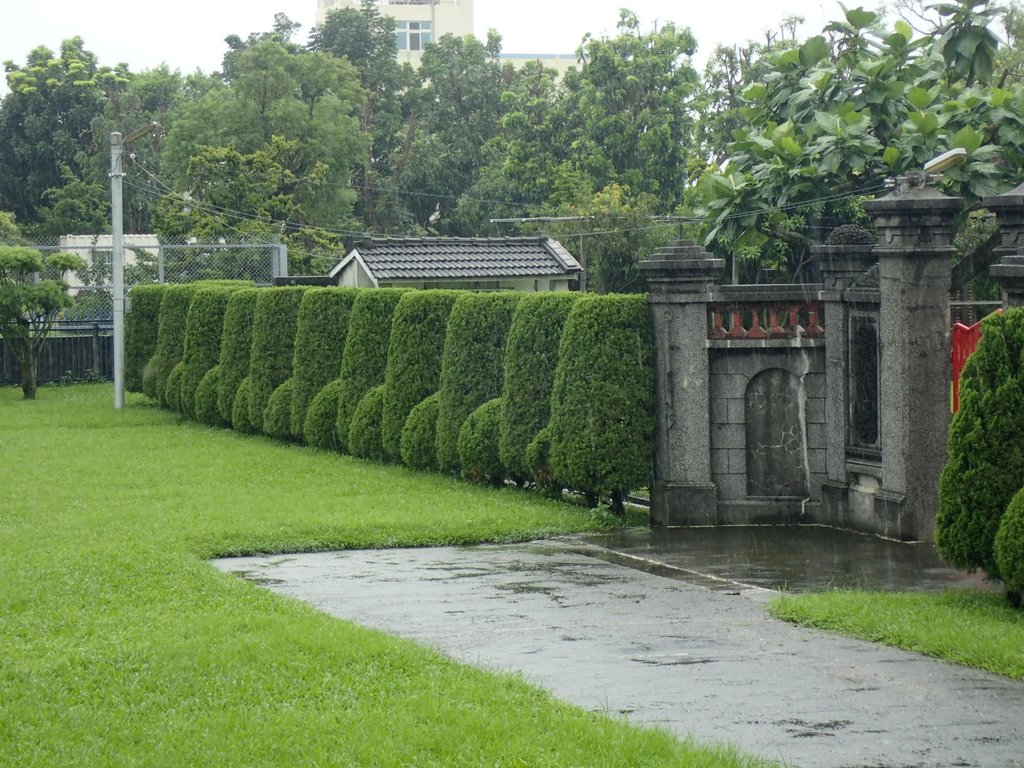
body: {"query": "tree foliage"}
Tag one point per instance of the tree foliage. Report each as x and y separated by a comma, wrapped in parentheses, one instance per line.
(29, 306)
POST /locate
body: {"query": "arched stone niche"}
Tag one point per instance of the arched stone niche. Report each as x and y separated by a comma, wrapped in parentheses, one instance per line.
(775, 436)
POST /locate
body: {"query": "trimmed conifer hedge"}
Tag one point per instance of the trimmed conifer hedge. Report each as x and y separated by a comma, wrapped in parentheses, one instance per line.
(206, 399)
(1009, 548)
(203, 332)
(419, 434)
(530, 362)
(472, 368)
(319, 345)
(235, 349)
(172, 389)
(414, 360)
(366, 353)
(141, 326)
(320, 429)
(274, 323)
(277, 419)
(364, 434)
(240, 419)
(602, 409)
(170, 341)
(478, 444)
(985, 468)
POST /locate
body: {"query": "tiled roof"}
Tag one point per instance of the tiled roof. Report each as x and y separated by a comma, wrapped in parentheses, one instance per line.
(433, 258)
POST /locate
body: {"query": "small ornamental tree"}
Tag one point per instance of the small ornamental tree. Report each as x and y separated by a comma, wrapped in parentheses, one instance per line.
(365, 430)
(602, 410)
(530, 361)
(203, 331)
(235, 349)
(28, 307)
(140, 330)
(170, 340)
(366, 353)
(319, 345)
(414, 360)
(472, 368)
(419, 435)
(985, 467)
(273, 346)
(478, 444)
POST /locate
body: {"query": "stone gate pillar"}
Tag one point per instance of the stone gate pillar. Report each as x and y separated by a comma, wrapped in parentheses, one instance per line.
(914, 253)
(678, 278)
(1009, 272)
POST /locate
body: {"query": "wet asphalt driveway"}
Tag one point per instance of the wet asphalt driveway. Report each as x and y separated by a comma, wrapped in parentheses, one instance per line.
(661, 644)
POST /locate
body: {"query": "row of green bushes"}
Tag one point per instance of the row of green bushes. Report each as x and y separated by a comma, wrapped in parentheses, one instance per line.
(549, 389)
(980, 523)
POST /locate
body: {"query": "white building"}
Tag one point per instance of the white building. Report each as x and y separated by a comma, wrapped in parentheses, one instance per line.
(420, 22)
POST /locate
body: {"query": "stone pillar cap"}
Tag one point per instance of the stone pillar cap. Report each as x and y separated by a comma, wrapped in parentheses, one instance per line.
(683, 259)
(918, 198)
(1012, 199)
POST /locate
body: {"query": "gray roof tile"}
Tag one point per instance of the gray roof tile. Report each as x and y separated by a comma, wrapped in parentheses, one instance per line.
(411, 258)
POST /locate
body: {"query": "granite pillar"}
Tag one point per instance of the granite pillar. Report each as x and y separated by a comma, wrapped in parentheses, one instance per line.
(678, 279)
(914, 253)
(1009, 271)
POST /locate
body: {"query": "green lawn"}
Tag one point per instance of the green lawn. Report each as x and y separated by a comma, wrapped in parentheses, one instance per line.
(977, 629)
(120, 646)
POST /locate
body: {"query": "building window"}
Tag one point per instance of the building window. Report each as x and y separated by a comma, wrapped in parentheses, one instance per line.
(412, 35)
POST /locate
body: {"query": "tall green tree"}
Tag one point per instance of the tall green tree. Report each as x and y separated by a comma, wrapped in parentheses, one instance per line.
(46, 123)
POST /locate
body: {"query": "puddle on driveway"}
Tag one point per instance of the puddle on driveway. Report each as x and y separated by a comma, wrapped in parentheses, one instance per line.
(790, 558)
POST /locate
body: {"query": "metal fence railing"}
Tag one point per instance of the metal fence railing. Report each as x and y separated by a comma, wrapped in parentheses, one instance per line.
(76, 350)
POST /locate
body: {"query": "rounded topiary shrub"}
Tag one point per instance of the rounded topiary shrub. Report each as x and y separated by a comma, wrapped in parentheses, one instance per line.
(985, 468)
(478, 444)
(141, 325)
(206, 399)
(414, 359)
(364, 433)
(274, 322)
(235, 349)
(419, 434)
(538, 463)
(602, 410)
(149, 379)
(277, 419)
(472, 369)
(203, 332)
(1009, 548)
(530, 361)
(321, 416)
(366, 353)
(319, 345)
(240, 410)
(172, 388)
(170, 342)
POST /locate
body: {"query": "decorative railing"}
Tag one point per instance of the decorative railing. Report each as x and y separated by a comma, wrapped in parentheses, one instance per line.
(758, 320)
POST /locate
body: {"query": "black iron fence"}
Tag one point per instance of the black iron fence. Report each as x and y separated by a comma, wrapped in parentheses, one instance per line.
(79, 349)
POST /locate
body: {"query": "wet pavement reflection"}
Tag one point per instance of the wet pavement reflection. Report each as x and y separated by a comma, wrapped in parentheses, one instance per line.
(789, 558)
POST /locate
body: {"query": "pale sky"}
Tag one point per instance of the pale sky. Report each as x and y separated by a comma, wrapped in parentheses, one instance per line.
(189, 34)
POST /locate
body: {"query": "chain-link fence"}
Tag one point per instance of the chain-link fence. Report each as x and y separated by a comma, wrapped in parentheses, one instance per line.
(147, 259)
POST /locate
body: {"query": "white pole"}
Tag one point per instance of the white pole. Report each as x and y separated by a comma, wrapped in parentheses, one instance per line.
(117, 228)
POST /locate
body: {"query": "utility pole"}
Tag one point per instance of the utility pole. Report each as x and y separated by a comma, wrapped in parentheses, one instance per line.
(117, 227)
(117, 145)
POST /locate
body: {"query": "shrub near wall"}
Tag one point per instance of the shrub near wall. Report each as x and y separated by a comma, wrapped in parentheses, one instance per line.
(273, 346)
(986, 452)
(478, 444)
(235, 348)
(472, 369)
(170, 341)
(366, 353)
(530, 362)
(141, 326)
(203, 333)
(320, 429)
(319, 346)
(364, 435)
(602, 422)
(277, 418)
(419, 435)
(414, 360)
